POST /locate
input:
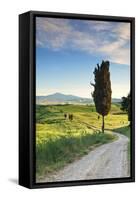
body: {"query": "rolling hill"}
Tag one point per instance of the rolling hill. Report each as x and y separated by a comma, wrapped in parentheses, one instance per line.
(59, 98)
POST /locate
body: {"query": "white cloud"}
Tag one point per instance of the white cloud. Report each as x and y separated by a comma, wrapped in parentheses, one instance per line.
(108, 39)
(124, 31)
(117, 52)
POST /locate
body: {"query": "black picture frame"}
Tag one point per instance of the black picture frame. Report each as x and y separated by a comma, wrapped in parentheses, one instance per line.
(27, 87)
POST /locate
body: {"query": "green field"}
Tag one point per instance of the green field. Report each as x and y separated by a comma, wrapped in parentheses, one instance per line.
(60, 141)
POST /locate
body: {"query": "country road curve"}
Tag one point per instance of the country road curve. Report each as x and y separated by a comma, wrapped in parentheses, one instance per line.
(107, 161)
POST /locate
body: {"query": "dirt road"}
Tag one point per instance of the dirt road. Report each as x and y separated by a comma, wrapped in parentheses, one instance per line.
(107, 161)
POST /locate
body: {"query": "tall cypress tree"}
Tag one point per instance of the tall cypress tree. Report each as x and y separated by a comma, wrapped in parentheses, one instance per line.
(102, 90)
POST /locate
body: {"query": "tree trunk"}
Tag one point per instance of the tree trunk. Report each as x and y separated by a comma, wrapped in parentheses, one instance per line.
(103, 125)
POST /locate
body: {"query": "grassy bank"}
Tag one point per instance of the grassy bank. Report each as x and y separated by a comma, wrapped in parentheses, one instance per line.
(54, 154)
(125, 131)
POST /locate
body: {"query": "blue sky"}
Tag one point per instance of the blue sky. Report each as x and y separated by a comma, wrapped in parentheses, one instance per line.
(67, 52)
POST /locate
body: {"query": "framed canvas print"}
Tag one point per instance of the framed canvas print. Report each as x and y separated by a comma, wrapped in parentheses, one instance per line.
(76, 99)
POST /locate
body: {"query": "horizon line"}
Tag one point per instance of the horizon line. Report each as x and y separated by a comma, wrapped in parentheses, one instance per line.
(43, 95)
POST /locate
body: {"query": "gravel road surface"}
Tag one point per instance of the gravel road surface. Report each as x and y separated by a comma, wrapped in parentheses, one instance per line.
(107, 161)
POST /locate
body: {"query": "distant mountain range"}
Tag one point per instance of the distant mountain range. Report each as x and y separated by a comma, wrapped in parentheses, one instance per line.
(59, 98)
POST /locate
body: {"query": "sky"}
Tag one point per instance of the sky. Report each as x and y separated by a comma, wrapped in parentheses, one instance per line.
(68, 50)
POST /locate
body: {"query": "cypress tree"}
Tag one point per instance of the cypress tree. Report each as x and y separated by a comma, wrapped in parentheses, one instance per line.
(126, 105)
(102, 90)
